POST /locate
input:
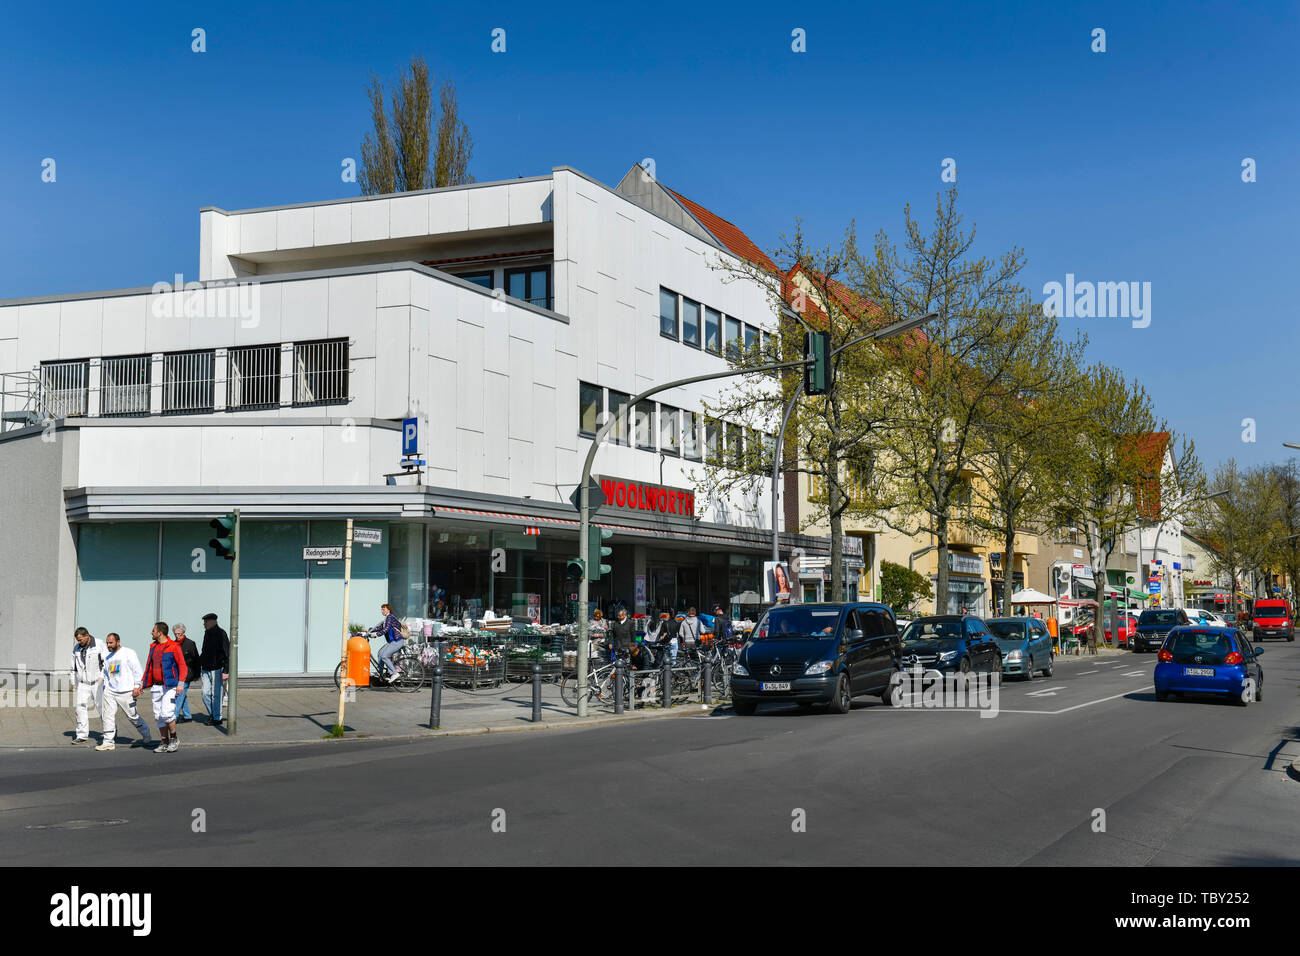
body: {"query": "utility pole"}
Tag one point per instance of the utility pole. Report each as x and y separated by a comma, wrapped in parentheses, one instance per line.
(234, 628)
(347, 594)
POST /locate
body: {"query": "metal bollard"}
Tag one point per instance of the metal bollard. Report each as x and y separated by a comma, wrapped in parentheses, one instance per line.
(619, 671)
(667, 676)
(537, 692)
(708, 681)
(435, 698)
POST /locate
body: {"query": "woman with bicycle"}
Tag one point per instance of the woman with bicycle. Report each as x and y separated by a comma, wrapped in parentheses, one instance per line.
(391, 628)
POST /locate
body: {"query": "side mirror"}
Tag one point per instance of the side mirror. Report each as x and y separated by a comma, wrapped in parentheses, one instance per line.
(1258, 651)
(855, 635)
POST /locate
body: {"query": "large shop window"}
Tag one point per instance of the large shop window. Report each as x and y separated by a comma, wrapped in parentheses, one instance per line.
(668, 313)
(187, 382)
(320, 372)
(253, 377)
(532, 285)
(124, 385)
(590, 407)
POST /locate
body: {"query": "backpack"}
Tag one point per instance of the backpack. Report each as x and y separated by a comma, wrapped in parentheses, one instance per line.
(405, 632)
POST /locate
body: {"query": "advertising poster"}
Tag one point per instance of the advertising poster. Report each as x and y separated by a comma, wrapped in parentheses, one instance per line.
(776, 582)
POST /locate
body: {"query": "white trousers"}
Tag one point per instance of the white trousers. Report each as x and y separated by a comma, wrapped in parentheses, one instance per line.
(109, 705)
(87, 694)
(164, 705)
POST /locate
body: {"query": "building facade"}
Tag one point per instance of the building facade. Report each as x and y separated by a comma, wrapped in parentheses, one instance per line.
(507, 319)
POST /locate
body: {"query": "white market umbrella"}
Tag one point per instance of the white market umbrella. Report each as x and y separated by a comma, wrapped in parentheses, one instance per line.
(1030, 596)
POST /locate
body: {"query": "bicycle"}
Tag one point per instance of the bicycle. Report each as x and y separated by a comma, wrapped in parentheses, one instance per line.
(600, 684)
(410, 670)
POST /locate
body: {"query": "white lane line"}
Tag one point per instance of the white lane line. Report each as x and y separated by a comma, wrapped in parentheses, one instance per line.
(1086, 673)
(1103, 700)
(1135, 674)
(1046, 691)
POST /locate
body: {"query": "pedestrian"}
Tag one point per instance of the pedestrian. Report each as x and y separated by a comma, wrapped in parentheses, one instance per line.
(391, 628)
(620, 633)
(192, 669)
(164, 671)
(722, 630)
(638, 660)
(213, 661)
(87, 676)
(689, 630)
(668, 633)
(122, 685)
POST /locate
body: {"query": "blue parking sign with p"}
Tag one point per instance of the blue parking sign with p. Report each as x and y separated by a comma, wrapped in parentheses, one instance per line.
(410, 436)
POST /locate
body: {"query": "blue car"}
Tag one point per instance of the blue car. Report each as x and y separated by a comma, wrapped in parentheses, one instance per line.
(1209, 660)
(1025, 644)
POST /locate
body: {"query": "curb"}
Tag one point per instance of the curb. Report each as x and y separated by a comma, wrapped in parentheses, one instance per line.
(686, 710)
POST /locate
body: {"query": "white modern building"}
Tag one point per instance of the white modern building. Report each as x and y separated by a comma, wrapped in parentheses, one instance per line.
(507, 318)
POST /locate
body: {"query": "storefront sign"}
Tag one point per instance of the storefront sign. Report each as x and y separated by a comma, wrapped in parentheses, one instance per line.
(634, 496)
(322, 554)
(965, 563)
(640, 591)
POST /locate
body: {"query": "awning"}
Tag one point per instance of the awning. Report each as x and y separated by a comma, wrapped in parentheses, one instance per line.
(1030, 596)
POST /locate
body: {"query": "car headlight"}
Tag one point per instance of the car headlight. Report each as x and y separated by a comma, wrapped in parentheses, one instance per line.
(739, 669)
(947, 655)
(821, 667)
(1013, 657)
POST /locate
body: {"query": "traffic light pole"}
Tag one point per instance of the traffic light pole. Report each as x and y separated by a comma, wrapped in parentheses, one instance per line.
(584, 501)
(231, 717)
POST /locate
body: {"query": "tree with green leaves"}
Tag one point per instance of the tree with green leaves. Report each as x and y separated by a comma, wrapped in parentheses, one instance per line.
(952, 376)
(901, 587)
(1120, 472)
(405, 153)
(1021, 442)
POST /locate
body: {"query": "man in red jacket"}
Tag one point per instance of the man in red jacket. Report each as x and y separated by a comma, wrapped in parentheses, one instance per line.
(164, 672)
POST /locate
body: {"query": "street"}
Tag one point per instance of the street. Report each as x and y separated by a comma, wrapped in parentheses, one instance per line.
(1180, 783)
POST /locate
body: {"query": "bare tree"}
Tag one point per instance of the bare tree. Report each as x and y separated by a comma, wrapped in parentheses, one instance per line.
(403, 154)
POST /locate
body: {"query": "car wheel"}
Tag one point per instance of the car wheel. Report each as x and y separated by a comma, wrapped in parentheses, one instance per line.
(842, 701)
(997, 665)
(1047, 671)
(1029, 668)
(965, 665)
(892, 695)
(1259, 690)
(743, 708)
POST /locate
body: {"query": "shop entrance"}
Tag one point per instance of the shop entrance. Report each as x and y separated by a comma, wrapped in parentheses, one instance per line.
(676, 587)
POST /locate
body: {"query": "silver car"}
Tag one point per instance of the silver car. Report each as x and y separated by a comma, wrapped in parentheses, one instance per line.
(1025, 645)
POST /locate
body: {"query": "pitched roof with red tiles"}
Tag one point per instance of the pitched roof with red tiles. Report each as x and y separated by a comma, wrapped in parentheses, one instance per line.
(727, 233)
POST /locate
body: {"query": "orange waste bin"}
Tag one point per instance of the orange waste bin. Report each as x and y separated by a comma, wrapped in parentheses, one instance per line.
(359, 661)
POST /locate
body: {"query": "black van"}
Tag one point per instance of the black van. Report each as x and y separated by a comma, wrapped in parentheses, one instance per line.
(818, 654)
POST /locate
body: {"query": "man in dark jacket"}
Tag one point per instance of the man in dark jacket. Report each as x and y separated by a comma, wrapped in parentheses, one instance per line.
(190, 651)
(722, 632)
(213, 663)
(621, 633)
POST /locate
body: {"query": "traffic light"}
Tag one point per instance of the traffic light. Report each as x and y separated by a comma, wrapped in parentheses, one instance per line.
(576, 569)
(224, 544)
(597, 552)
(818, 376)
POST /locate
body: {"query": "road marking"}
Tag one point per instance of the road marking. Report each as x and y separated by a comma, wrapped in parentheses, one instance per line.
(1046, 691)
(1135, 674)
(1086, 673)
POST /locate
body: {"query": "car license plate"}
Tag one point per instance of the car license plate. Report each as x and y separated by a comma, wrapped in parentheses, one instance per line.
(1198, 671)
(779, 685)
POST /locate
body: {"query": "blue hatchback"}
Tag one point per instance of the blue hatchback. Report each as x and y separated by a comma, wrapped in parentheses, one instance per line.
(1209, 660)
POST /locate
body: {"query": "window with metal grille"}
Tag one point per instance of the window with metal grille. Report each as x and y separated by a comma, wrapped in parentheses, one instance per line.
(124, 385)
(253, 377)
(320, 372)
(187, 382)
(64, 388)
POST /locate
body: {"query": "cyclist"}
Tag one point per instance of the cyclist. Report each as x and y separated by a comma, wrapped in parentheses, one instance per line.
(391, 628)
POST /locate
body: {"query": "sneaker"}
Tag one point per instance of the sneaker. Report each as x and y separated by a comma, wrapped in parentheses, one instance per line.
(173, 746)
(79, 740)
(184, 720)
(162, 748)
(107, 746)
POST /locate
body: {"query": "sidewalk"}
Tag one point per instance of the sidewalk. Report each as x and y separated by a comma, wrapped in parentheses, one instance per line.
(305, 714)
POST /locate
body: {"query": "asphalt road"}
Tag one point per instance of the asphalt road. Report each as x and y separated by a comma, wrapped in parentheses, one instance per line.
(1183, 782)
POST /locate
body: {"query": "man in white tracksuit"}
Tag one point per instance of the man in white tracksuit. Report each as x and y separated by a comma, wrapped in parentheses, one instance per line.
(86, 672)
(123, 676)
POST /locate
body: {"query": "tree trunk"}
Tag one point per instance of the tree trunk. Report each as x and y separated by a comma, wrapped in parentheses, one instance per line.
(941, 582)
(837, 540)
(1008, 565)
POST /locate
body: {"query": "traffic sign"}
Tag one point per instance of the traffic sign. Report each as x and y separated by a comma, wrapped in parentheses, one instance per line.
(367, 535)
(410, 436)
(595, 497)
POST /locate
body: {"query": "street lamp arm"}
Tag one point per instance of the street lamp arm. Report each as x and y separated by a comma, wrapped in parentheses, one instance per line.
(890, 330)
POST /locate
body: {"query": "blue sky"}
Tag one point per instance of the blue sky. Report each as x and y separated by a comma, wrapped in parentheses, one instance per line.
(1115, 166)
